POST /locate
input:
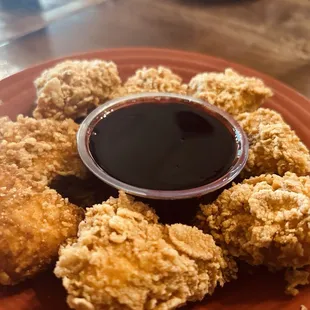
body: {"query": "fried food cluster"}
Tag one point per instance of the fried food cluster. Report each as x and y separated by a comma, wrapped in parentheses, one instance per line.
(73, 88)
(229, 91)
(43, 148)
(264, 220)
(124, 259)
(160, 79)
(34, 221)
(273, 146)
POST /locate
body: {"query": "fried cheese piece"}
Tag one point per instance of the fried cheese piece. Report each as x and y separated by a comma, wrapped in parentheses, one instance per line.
(43, 148)
(34, 221)
(72, 88)
(264, 220)
(160, 79)
(229, 91)
(273, 146)
(124, 259)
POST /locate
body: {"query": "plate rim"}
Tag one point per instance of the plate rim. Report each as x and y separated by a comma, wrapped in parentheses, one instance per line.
(235, 65)
(278, 86)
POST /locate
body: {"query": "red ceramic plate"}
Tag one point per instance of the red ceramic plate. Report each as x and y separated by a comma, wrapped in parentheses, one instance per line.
(261, 290)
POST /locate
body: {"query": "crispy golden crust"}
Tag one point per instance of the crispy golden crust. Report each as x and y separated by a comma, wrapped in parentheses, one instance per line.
(124, 259)
(34, 221)
(274, 146)
(229, 91)
(73, 88)
(43, 148)
(295, 278)
(263, 220)
(158, 79)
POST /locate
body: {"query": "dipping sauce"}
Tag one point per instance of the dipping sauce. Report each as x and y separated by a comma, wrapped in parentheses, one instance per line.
(163, 146)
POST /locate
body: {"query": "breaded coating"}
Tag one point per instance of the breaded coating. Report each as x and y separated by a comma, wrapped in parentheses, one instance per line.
(43, 148)
(72, 88)
(124, 259)
(158, 79)
(295, 278)
(263, 220)
(229, 91)
(34, 221)
(273, 146)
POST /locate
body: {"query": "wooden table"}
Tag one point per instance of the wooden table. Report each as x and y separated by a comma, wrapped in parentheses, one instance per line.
(270, 36)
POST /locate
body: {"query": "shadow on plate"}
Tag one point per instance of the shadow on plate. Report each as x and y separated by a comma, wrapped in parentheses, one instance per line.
(255, 289)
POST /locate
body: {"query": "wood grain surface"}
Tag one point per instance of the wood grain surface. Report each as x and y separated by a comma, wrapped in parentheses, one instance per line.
(21, 17)
(270, 36)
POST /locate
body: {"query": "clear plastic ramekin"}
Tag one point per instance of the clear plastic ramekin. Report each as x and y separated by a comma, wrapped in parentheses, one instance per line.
(87, 126)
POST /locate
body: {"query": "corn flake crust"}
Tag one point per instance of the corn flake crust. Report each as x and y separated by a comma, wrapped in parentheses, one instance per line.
(295, 278)
(263, 220)
(43, 148)
(229, 91)
(73, 88)
(158, 79)
(34, 221)
(124, 259)
(273, 146)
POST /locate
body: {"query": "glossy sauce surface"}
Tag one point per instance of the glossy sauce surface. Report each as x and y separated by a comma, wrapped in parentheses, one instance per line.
(163, 146)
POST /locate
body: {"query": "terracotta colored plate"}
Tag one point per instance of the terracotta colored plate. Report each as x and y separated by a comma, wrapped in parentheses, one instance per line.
(262, 290)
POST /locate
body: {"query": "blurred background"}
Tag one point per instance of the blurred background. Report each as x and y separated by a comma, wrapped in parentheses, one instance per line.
(272, 36)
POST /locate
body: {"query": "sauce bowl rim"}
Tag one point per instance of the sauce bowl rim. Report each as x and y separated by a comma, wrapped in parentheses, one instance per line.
(100, 112)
